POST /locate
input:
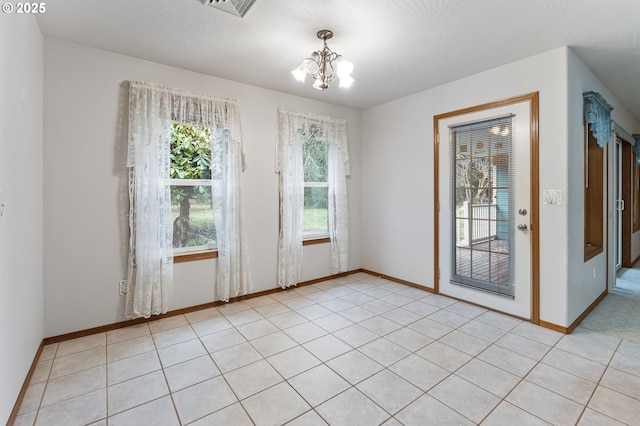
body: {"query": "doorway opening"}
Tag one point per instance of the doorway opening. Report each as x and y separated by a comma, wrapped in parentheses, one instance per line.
(626, 216)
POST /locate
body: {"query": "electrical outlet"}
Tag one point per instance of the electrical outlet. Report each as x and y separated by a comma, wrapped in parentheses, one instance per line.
(124, 287)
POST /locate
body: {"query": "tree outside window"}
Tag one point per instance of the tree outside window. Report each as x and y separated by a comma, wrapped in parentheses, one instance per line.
(193, 166)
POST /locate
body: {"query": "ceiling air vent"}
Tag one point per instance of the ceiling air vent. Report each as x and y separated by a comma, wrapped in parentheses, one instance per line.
(235, 7)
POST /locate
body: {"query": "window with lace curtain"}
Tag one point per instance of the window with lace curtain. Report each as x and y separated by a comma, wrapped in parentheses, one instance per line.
(597, 133)
(312, 160)
(185, 156)
(195, 162)
(315, 219)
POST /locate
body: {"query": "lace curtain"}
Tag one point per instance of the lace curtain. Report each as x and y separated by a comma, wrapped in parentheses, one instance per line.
(289, 165)
(152, 109)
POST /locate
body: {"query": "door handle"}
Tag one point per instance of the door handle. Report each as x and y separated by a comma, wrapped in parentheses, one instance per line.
(522, 227)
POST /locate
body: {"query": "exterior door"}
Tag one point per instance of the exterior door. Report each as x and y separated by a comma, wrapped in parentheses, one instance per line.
(485, 216)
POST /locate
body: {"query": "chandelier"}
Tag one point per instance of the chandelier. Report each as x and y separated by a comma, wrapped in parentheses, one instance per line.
(324, 66)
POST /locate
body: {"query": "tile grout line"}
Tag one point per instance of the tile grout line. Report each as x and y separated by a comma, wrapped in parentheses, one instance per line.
(46, 383)
(595, 389)
(522, 379)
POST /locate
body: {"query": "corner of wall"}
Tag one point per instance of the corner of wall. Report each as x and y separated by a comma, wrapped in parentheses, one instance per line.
(21, 227)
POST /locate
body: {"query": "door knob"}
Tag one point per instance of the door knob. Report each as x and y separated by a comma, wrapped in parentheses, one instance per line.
(522, 227)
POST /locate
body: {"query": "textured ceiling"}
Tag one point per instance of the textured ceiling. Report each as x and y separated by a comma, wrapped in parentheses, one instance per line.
(398, 47)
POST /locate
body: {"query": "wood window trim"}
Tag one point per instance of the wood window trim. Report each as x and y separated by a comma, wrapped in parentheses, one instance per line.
(195, 256)
(635, 191)
(316, 241)
(593, 196)
(591, 251)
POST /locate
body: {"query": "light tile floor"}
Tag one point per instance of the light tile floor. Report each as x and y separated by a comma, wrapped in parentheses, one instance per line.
(357, 350)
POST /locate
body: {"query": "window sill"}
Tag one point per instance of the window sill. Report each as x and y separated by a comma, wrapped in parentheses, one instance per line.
(195, 256)
(316, 241)
(591, 251)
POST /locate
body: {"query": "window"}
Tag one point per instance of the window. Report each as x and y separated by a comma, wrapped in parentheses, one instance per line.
(192, 165)
(593, 196)
(315, 219)
(312, 160)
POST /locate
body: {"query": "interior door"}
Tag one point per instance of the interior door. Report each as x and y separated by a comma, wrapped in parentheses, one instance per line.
(484, 247)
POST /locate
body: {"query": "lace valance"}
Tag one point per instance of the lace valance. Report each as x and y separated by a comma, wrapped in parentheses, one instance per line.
(636, 147)
(325, 129)
(597, 113)
(169, 104)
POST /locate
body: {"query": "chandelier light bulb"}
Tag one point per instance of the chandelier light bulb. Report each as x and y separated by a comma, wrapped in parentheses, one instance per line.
(300, 73)
(346, 81)
(320, 85)
(310, 65)
(344, 67)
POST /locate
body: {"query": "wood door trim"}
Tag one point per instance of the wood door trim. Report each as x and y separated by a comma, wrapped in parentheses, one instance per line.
(533, 99)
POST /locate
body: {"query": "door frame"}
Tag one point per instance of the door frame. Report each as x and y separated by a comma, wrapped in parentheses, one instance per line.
(627, 182)
(618, 159)
(533, 99)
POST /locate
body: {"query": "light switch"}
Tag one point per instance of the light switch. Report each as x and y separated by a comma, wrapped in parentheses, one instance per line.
(552, 197)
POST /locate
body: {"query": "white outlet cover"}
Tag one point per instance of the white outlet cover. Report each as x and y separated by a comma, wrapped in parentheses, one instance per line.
(552, 197)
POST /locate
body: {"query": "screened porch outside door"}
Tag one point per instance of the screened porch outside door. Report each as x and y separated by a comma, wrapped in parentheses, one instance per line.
(483, 213)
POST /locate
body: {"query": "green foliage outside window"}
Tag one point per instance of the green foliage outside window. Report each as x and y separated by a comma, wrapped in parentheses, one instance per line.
(191, 158)
(315, 162)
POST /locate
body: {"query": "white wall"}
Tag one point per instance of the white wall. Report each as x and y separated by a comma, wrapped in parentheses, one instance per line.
(85, 201)
(397, 172)
(21, 185)
(583, 287)
(635, 245)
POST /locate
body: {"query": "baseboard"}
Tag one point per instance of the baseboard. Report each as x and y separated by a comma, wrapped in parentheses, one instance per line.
(576, 323)
(586, 312)
(182, 311)
(398, 280)
(554, 327)
(25, 385)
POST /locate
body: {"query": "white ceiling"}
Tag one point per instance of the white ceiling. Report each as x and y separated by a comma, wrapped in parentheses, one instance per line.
(398, 47)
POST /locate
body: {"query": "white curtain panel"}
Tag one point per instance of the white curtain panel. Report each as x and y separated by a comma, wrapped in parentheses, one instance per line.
(291, 127)
(152, 109)
(233, 273)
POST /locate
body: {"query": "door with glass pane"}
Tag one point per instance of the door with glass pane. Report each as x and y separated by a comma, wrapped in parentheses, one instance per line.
(484, 248)
(482, 177)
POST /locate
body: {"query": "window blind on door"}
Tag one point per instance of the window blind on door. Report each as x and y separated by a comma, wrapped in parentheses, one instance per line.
(482, 204)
